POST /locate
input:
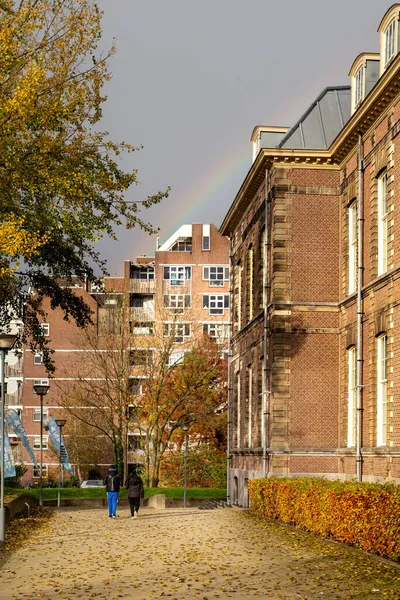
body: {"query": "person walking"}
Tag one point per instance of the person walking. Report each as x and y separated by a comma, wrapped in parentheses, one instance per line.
(112, 481)
(135, 492)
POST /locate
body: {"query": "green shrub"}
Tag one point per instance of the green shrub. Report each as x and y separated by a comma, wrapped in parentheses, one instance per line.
(16, 482)
(364, 515)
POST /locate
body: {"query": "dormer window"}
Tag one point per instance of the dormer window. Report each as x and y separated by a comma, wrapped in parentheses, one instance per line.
(389, 41)
(359, 86)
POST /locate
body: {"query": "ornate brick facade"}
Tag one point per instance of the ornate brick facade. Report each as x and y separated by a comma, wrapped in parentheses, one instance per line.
(308, 323)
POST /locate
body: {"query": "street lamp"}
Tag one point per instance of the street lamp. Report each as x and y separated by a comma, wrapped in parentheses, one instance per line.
(60, 423)
(7, 341)
(185, 428)
(41, 390)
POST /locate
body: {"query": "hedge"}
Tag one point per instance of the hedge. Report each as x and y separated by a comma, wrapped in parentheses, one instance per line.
(364, 515)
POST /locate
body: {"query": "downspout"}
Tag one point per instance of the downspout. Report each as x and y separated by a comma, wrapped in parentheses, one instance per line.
(229, 424)
(360, 271)
(265, 339)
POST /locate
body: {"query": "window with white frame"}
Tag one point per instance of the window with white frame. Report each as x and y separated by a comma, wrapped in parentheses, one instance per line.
(238, 410)
(36, 472)
(359, 86)
(351, 396)
(382, 223)
(38, 358)
(177, 302)
(205, 244)
(216, 331)
(249, 404)
(216, 304)
(36, 414)
(381, 437)
(136, 386)
(45, 327)
(216, 276)
(36, 442)
(179, 331)
(177, 274)
(175, 358)
(250, 280)
(352, 267)
(389, 41)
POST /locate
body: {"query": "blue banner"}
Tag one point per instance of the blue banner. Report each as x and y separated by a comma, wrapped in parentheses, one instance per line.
(54, 434)
(9, 469)
(13, 420)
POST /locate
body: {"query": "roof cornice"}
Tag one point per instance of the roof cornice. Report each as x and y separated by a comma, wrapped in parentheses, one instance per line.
(380, 97)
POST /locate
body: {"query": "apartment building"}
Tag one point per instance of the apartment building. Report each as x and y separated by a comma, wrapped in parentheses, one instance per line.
(183, 291)
(315, 285)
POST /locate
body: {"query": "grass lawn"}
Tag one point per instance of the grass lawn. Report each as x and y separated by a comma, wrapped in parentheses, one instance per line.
(51, 493)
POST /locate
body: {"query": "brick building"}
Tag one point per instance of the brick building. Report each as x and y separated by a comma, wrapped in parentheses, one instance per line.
(315, 241)
(185, 286)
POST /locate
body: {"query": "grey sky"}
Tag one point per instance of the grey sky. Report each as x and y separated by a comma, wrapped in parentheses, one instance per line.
(191, 80)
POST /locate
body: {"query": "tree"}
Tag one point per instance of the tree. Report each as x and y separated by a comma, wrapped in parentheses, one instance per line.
(101, 396)
(61, 186)
(147, 381)
(187, 387)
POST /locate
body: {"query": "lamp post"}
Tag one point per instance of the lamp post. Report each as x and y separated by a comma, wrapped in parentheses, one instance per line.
(41, 390)
(185, 428)
(7, 341)
(60, 423)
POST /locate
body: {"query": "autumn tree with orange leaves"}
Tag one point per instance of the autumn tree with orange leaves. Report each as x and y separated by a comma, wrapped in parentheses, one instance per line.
(61, 186)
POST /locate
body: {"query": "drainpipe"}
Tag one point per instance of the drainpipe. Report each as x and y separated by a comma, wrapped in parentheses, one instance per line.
(265, 360)
(360, 270)
(228, 432)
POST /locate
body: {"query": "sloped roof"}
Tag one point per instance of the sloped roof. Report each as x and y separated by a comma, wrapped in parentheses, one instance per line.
(322, 122)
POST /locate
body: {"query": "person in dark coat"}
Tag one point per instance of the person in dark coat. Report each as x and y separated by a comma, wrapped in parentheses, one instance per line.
(112, 482)
(135, 493)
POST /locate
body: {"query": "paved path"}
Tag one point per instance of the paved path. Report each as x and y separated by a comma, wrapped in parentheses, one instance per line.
(190, 554)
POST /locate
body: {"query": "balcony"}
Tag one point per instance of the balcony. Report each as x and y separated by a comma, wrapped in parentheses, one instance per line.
(14, 399)
(142, 286)
(142, 315)
(14, 370)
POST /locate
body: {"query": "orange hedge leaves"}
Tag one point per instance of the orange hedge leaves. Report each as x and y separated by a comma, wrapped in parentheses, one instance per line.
(364, 515)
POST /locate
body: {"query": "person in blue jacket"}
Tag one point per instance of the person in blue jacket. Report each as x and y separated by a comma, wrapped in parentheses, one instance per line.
(112, 482)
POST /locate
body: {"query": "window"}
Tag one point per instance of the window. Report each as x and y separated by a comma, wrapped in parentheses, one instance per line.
(36, 414)
(216, 304)
(351, 396)
(36, 472)
(238, 294)
(206, 238)
(216, 331)
(352, 221)
(45, 327)
(381, 438)
(238, 411)
(389, 41)
(142, 274)
(141, 358)
(249, 375)
(177, 275)
(216, 276)
(36, 442)
(178, 330)
(177, 302)
(37, 358)
(175, 358)
(182, 245)
(359, 86)
(250, 277)
(136, 386)
(382, 224)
